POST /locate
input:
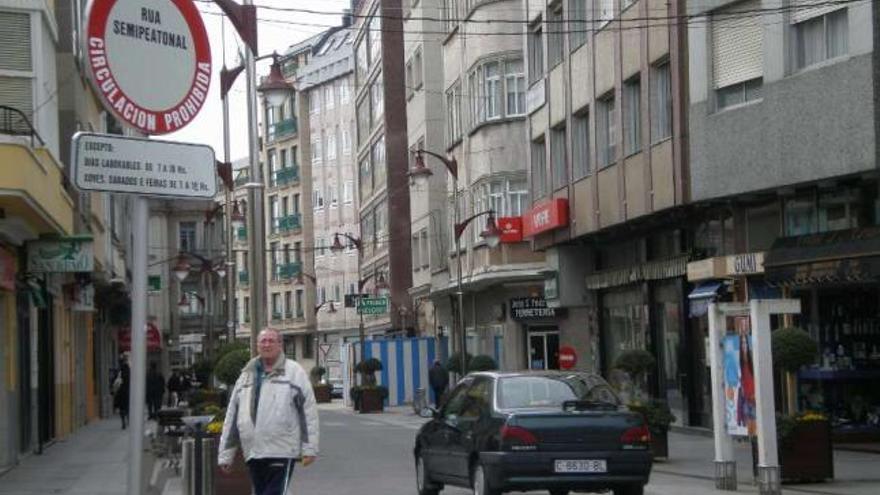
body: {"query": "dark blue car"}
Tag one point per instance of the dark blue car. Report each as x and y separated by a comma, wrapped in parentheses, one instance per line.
(553, 431)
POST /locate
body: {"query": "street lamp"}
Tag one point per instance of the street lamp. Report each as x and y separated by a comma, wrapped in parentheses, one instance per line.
(181, 269)
(244, 18)
(491, 234)
(275, 88)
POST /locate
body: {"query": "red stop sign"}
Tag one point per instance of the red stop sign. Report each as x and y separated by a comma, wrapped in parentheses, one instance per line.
(567, 357)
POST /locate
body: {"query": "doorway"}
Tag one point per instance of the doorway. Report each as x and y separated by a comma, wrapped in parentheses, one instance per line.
(543, 345)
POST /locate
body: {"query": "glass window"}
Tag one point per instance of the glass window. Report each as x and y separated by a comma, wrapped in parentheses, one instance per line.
(426, 255)
(331, 144)
(348, 192)
(539, 170)
(316, 152)
(800, 215)
(661, 102)
(362, 63)
(607, 129)
(558, 157)
(379, 167)
(344, 92)
(577, 23)
(536, 53)
(606, 11)
(580, 144)
(516, 88)
(187, 236)
(542, 391)
(314, 102)
(632, 100)
(375, 39)
(377, 97)
(288, 304)
(299, 303)
(366, 178)
(821, 38)
(329, 100)
(492, 90)
(363, 119)
(556, 28)
(517, 197)
(623, 314)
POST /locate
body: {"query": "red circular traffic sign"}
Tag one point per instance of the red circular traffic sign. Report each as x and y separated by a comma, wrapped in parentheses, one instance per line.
(149, 61)
(567, 357)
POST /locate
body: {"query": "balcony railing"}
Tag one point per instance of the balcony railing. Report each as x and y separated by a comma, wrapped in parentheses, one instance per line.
(289, 223)
(14, 122)
(243, 278)
(276, 316)
(282, 129)
(287, 176)
(288, 271)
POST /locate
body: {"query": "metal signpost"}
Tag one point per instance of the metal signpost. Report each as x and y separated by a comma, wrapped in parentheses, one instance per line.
(150, 63)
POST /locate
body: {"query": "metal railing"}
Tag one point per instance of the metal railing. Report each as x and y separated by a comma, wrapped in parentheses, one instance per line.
(288, 223)
(14, 122)
(288, 271)
(286, 127)
(286, 176)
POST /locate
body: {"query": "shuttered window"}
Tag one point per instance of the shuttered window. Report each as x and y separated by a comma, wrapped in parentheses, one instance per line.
(737, 44)
(17, 92)
(801, 10)
(15, 41)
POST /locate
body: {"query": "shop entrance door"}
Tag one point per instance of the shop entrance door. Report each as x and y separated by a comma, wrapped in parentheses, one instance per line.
(543, 349)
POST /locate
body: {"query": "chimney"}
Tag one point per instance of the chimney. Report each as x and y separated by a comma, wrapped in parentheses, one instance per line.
(346, 18)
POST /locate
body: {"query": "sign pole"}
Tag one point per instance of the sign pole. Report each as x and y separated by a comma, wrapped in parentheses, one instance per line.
(137, 387)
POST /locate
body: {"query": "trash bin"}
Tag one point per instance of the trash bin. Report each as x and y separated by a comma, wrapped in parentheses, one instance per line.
(420, 401)
(198, 466)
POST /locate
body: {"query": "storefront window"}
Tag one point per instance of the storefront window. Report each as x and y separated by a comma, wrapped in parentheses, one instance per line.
(762, 226)
(714, 236)
(623, 329)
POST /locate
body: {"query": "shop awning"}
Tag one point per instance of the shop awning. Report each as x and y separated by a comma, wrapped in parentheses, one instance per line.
(702, 295)
(843, 256)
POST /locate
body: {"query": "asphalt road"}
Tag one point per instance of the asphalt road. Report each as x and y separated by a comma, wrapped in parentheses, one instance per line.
(372, 455)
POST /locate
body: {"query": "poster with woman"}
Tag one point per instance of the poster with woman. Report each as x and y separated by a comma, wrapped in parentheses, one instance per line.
(739, 381)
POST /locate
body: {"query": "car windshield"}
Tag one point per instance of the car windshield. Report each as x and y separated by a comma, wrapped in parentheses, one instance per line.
(518, 392)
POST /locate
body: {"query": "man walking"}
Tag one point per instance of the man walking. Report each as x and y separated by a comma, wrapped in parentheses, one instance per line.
(155, 391)
(439, 380)
(271, 394)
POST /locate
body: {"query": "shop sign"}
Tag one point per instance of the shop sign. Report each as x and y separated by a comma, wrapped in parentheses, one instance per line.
(68, 254)
(745, 264)
(149, 61)
(546, 216)
(154, 283)
(736, 265)
(532, 308)
(154, 339)
(83, 298)
(511, 229)
(7, 271)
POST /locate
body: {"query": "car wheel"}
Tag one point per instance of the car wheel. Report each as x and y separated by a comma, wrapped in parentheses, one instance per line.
(637, 489)
(423, 479)
(480, 483)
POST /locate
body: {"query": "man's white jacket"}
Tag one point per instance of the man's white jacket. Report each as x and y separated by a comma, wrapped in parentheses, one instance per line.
(283, 424)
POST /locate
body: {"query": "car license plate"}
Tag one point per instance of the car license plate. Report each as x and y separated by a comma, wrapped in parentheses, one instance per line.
(581, 466)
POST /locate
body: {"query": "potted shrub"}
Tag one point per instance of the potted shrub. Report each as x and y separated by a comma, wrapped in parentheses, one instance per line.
(635, 363)
(453, 364)
(482, 363)
(369, 396)
(659, 417)
(322, 390)
(803, 438)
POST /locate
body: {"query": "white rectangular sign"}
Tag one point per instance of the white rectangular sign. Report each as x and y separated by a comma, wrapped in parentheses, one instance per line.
(149, 167)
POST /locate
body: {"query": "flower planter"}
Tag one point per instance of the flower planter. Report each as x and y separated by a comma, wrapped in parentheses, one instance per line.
(660, 444)
(236, 482)
(807, 454)
(371, 401)
(322, 393)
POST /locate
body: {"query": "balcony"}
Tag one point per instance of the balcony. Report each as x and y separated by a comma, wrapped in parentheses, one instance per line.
(289, 271)
(287, 176)
(241, 234)
(243, 278)
(286, 225)
(281, 130)
(276, 317)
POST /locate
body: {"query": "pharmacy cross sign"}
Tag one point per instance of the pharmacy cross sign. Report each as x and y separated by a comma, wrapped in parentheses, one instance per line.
(149, 60)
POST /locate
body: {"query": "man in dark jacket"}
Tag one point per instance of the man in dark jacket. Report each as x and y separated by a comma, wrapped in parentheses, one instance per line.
(155, 390)
(439, 380)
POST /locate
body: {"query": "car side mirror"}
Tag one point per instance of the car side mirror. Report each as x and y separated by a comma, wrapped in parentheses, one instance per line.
(429, 412)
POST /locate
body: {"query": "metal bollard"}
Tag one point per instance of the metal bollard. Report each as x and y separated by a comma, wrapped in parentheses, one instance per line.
(198, 466)
(420, 401)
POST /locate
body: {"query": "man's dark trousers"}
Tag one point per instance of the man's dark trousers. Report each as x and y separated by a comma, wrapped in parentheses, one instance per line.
(438, 396)
(271, 476)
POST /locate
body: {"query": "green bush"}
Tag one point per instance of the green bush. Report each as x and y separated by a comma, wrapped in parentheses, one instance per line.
(657, 414)
(227, 348)
(203, 370)
(482, 363)
(230, 366)
(453, 364)
(203, 399)
(793, 348)
(369, 366)
(635, 362)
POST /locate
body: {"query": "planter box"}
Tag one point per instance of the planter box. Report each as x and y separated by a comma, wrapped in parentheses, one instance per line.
(660, 444)
(322, 393)
(808, 455)
(236, 482)
(371, 401)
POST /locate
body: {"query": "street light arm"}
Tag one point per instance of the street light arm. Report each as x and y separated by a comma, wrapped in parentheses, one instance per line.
(227, 78)
(459, 227)
(244, 19)
(451, 165)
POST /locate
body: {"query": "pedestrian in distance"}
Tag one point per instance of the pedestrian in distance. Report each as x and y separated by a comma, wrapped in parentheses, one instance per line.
(155, 390)
(120, 390)
(438, 377)
(174, 388)
(271, 394)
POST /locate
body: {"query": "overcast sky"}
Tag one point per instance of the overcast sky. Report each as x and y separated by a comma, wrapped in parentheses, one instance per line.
(283, 30)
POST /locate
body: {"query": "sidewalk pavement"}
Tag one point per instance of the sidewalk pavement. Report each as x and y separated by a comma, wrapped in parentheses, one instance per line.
(92, 461)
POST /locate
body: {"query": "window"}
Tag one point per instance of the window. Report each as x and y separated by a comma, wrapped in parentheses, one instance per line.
(577, 23)
(329, 102)
(247, 309)
(297, 251)
(377, 99)
(288, 304)
(557, 157)
(346, 142)
(366, 178)
(314, 102)
(492, 90)
(606, 12)
(318, 198)
(319, 247)
(516, 88)
(661, 102)
(275, 213)
(453, 114)
(417, 70)
(580, 144)
(283, 159)
(276, 307)
(425, 254)
(539, 172)
(293, 159)
(536, 53)
(409, 79)
(737, 52)
(556, 29)
(344, 93)
(632, 116)
(362, 63)
(299, 303)
(517, 198)
(821, 37)
(363, 119)
(414, 249)
(273, 168)
(187, 236)
(334, 195)
(296, 208)
(607, 130)
(316, 152)
(348, 192)
(375, 39)
(331, 144)
(450, 15)
(379, 167)
(274, 259)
